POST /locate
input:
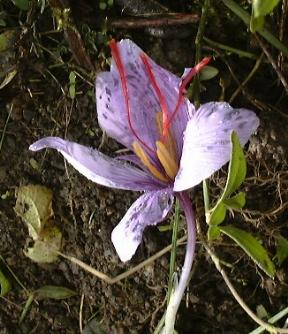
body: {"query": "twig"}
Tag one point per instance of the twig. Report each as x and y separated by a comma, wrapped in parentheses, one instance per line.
(14, 275)
(228, 48)
(272, 320)
(249, 76)
(245, 17)
(117, 279)
(71, 33)
(235, 294)
(81, 313)
(282, 26)
(246, 308)
(273, 63)
(5, 127)
(257, 103)
(160, 21)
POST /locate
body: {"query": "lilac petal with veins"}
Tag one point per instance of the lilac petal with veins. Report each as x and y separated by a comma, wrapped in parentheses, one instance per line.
(98, 167)
(207, 141)
(134, 160)
(111, 112)
(111, 109)
(167, 82)
(149, 209)
(144, 104)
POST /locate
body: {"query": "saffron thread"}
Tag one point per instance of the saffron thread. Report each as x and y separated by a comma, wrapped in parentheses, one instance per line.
(185, 82)
(116, 56)
(162, 100)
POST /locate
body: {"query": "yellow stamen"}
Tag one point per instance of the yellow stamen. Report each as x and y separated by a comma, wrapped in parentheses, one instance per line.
(145, 160)
(168, 162)
(168, 140)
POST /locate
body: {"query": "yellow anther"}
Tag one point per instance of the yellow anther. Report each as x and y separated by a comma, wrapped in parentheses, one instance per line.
(159, 122)
(168, 140)
(145, 160)
(168, 162)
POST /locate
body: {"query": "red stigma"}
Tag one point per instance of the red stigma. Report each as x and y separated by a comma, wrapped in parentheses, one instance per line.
(120, 67)
(162, 100)
(184, 84)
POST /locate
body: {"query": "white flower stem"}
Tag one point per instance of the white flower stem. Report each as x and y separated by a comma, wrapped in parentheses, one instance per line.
(178, 293)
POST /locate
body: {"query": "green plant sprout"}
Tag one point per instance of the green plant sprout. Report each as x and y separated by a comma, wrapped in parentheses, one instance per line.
(261, 8)
(5, 284)
(230, 201)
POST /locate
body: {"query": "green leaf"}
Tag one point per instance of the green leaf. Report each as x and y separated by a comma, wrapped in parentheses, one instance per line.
(263, 7)
(40, 252)
(102, 5)
(261, 312)
(217, 215)
(46, 291)
(278, 316)
(245, 17)
(72, 84)
(260, 8)
(237, 167)
(236, 176)
(7, 39)
(41, 4)
(282, 249)
(256, 23)
(208, 72)
(164, 228)
(34, 206)
(5, 285)
(26, 307)
(54, 292)
(252, 247)
(8, 78)
(22, 4)
(235, 202)
(94, 327)
(45, 250)
(213, 233)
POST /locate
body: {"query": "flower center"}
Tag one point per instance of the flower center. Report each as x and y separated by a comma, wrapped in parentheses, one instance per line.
(165, 146)
(166, 153)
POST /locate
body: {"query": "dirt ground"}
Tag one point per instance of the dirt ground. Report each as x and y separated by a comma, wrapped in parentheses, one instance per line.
(86, 213)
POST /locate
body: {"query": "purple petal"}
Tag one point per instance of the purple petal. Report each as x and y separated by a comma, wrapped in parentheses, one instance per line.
(98, 167)
(112, 114)
(149, 209)
(179, 124)
(207, 141)
(133, 159)
(111, 111)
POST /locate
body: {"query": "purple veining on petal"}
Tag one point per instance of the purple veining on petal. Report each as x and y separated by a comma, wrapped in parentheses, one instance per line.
(132, 158)
(111, 110)
(207, 141)
(98, 167)
(112, 115)
(149, 209)
(143, 101)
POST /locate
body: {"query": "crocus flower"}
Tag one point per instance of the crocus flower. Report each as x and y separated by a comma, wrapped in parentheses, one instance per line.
(174, 146)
